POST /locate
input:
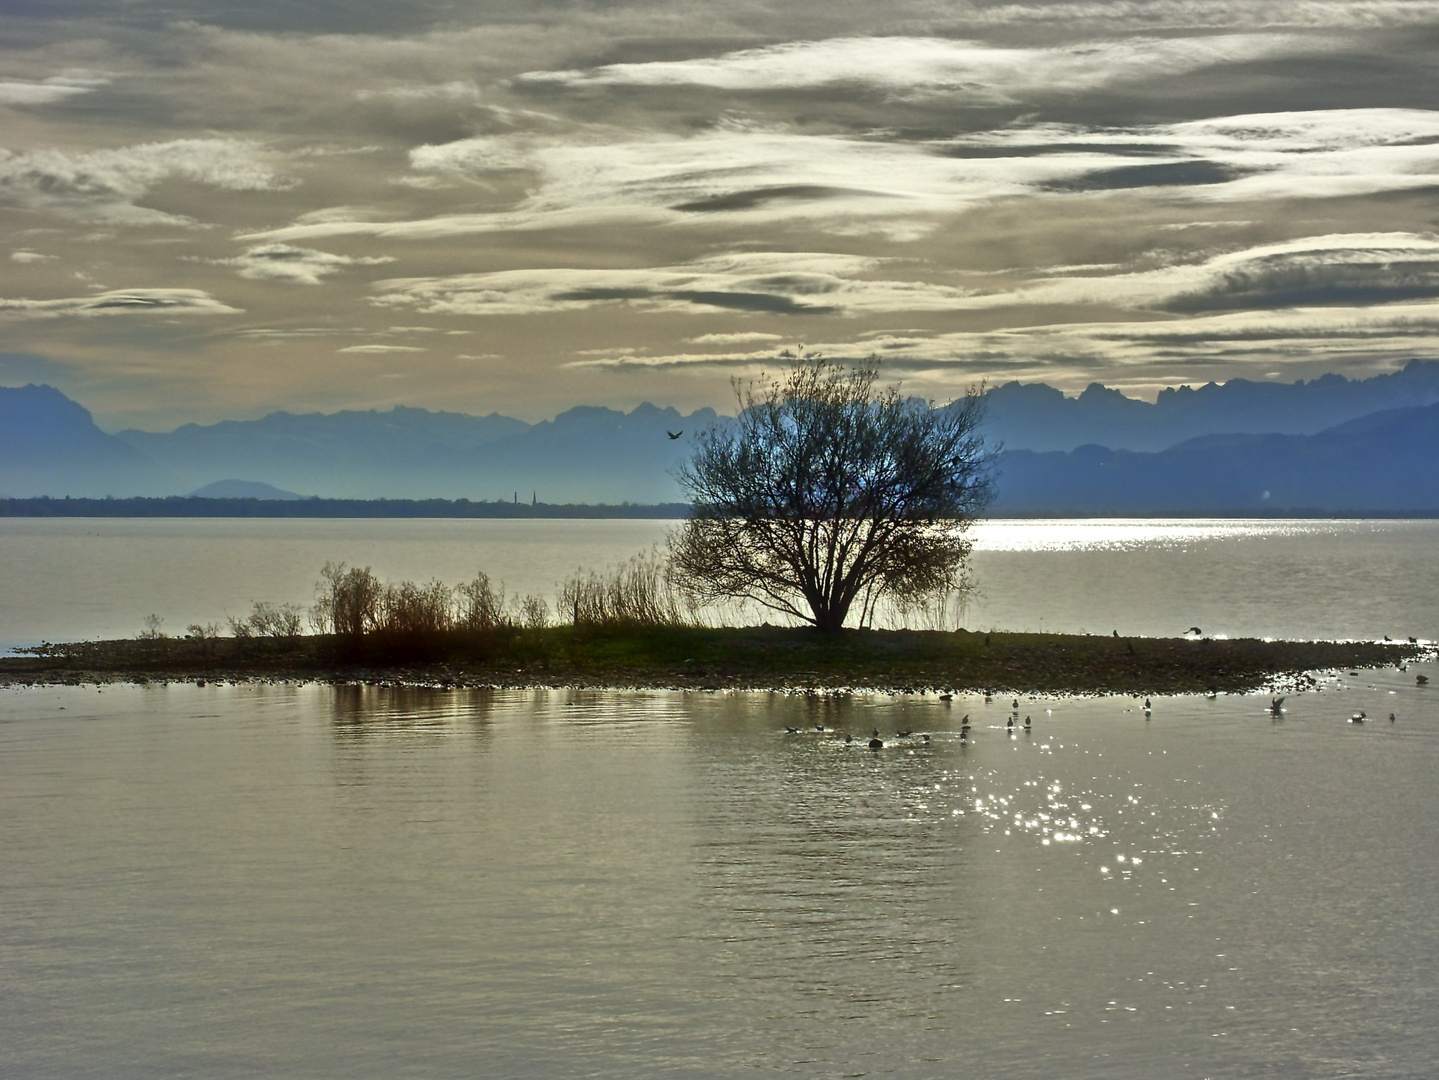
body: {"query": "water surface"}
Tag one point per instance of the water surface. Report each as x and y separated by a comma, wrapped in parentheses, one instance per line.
(75, 578)
(304, 881)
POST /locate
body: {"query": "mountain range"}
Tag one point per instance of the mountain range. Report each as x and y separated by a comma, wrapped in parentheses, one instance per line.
(1328, 445)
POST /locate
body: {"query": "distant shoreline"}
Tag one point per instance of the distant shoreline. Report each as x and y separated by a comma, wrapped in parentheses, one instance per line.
(712, 659)
(176, 506)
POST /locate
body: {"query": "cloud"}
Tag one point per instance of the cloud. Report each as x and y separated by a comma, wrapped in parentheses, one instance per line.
(973, 72)
(877, 185)
(735, 174)
(118, 302)
(739, 338)
(106, 185)
(29, 257)
(457, 90)
(381, 349)
(1340, 269)
(48, 91)
(771, 283)
(294, 265)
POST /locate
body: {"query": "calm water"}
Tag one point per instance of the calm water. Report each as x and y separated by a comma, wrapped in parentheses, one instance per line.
(245, 881)
(66, 579)
(304, 881)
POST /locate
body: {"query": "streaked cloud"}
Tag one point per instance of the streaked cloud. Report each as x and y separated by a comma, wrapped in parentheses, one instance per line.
(765, 283)
(50, 90)
(970, 71)
(381, 349)
(107, 185)
(294, 265)
(136, 302)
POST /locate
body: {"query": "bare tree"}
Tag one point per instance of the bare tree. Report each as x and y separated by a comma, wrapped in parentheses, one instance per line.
(827, 490)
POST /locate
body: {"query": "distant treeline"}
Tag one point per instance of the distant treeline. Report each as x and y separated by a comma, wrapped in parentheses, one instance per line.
(193, 506)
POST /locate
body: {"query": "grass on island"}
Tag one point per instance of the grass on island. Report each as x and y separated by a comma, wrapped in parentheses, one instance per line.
(708, 658)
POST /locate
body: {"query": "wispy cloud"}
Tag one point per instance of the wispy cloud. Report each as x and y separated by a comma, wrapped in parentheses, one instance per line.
(119, 302)
(1341, 269)
(294, 265)
(874, 184)
(107, 185)
(762, 283)
(971, 71)
(50, 90)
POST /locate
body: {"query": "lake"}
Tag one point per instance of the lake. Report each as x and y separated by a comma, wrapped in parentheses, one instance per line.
(73, 578)
(305, 881)
(357, 881)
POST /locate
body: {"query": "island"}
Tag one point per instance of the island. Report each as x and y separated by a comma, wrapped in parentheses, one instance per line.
(781, 658)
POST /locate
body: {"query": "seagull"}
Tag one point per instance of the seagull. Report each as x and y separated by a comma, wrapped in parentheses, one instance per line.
(674, 434)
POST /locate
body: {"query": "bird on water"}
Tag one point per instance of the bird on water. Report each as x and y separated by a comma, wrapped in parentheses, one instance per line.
(875, 742)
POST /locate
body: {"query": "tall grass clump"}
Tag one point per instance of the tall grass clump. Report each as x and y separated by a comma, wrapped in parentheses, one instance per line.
(348, 601)
(267, 620)
(636, 593)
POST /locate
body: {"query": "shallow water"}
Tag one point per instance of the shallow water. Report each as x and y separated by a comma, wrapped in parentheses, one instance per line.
(306, 881)
(73, 578)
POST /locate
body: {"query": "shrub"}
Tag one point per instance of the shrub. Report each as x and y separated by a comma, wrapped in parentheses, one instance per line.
(480, 606)
(348, 601)
(636, 593)
(408, 608)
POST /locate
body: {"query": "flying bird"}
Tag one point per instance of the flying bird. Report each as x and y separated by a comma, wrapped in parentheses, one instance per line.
(674, 434)
(1195, 630)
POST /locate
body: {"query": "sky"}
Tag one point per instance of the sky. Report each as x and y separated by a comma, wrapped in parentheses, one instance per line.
(211, 209)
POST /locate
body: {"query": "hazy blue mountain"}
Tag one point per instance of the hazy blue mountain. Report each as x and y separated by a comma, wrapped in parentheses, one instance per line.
(49, 445)
(586, 454)
(1380, 462)
(1332, 443)
(243, 489)
(402, 452)
(1038, 417)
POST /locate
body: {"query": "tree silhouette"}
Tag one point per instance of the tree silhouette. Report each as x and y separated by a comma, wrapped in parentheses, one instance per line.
(827, 490)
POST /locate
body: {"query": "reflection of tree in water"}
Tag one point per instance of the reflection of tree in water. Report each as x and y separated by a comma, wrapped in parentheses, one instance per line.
(835, 880)
(359, 710)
